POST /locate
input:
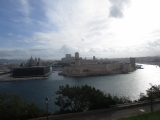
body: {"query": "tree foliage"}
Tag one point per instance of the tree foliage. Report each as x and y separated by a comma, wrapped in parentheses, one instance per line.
(155, 93)
(13, 108)
(76, 99)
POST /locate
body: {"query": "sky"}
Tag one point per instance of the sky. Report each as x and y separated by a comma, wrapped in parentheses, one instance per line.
(49, 29)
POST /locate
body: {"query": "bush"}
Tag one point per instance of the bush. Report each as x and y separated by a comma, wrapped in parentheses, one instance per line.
(78, 99)
(155, 93)
(13, 108)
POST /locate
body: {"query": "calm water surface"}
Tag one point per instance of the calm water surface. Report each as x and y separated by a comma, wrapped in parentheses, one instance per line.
(129, 85)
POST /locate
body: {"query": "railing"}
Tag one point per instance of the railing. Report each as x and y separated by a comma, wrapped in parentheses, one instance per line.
(112, 107)
(136, 103)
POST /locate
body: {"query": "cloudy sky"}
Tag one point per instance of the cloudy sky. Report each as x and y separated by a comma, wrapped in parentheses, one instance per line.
(49, 29)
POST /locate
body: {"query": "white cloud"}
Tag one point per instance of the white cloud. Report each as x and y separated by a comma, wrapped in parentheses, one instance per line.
(75, 21)
(105, 27)
(26, 53)
(118, 7)
(25, 7)
(10, 34)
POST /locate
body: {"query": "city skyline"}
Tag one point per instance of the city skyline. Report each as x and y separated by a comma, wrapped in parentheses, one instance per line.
(106, 28)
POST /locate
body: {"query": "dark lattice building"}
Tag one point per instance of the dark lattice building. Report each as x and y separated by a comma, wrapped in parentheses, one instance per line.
(31, 71)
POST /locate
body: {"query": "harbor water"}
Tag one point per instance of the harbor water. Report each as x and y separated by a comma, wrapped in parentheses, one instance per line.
(128, 85)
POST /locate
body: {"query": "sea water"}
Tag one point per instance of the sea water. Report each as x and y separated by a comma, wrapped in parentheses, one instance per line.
(128, 85)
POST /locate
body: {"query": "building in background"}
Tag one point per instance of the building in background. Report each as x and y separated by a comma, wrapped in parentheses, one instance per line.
(36, 71)
(84, 67)
(132, 62)
(32, 68)
(68, 59)
(33, 62)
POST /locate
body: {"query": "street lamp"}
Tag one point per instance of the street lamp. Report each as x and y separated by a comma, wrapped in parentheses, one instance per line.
(46, 100)
(151, 98)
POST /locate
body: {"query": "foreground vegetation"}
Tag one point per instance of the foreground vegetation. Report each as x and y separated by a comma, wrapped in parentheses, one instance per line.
(13, 108)
(69, 99)
(84, 98)
(152, 92)
(148, 116)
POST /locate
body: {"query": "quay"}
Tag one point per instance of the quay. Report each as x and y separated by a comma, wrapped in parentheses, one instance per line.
(8, 78)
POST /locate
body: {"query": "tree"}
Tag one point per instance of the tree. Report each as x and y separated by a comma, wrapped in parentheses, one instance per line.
(77, 99)
(155, 93)
(13, 108)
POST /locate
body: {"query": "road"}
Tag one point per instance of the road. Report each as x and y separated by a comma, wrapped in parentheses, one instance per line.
(113, 115)
(105, 114)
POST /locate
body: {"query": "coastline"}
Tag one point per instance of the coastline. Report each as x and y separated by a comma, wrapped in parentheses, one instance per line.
(93, 73)
(129, 85)
(8, 78)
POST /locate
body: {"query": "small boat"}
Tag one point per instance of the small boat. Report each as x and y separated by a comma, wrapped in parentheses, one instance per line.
(139, 66)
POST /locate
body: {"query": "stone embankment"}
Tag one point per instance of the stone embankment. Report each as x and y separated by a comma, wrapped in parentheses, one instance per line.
(92, 73)
(8, 78)
(22, 79)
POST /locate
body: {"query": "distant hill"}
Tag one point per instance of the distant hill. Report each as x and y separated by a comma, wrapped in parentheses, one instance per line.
(2, 61)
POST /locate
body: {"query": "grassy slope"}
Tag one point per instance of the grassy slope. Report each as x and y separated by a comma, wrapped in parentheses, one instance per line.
(148, 116)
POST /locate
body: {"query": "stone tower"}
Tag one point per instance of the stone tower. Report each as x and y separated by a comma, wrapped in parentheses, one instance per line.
(132, 62)
(94, 58)
(77, 60)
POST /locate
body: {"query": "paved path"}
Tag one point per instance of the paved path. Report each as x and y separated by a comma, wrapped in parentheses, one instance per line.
(111, 115)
